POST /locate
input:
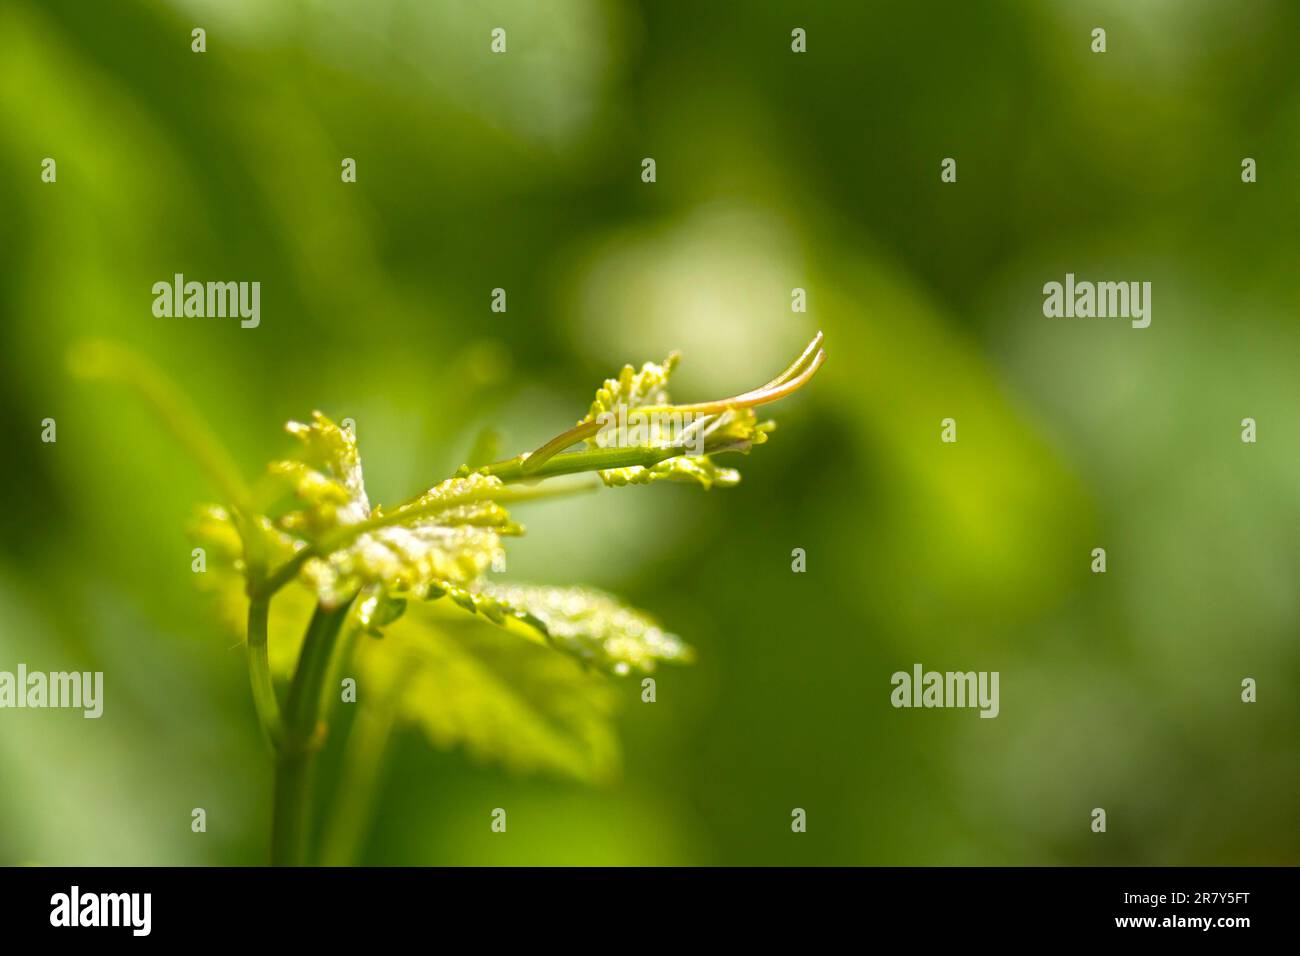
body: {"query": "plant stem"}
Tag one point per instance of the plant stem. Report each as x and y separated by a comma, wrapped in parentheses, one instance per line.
(579, 432)
(364, 759)
(795, 377)
(259, 668)
(291, 822)
(592, 459)
(345, 534)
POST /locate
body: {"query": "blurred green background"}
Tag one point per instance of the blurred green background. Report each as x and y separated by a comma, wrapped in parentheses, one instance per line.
(775, 171)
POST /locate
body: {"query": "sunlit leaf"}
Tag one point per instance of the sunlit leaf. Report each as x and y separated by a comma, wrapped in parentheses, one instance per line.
(691, 469)
(326, 478)
(463, 682)
(470, 686)
(456, 544)
(590, 625)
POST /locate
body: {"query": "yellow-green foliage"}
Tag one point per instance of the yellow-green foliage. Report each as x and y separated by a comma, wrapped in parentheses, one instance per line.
(435, 644)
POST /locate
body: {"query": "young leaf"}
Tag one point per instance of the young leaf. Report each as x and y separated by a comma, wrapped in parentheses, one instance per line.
(587, 624)
(467, 685)
(464, 683)
(642, 399)
(633, 389)
(692, 469)
(457, 543)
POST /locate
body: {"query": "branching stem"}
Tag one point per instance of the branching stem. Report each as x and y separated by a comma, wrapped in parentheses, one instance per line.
(291, 821)
(796, 375)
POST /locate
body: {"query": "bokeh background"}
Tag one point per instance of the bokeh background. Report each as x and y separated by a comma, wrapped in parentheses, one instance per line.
(775, 171)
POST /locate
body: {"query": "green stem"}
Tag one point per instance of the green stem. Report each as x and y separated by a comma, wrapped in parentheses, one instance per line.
(600, 459)
(347, 533)
(592, 459)
(795, 377)
(363, 767)
(291, 822)
(282, 576)
(579, 432)
(259, 668)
